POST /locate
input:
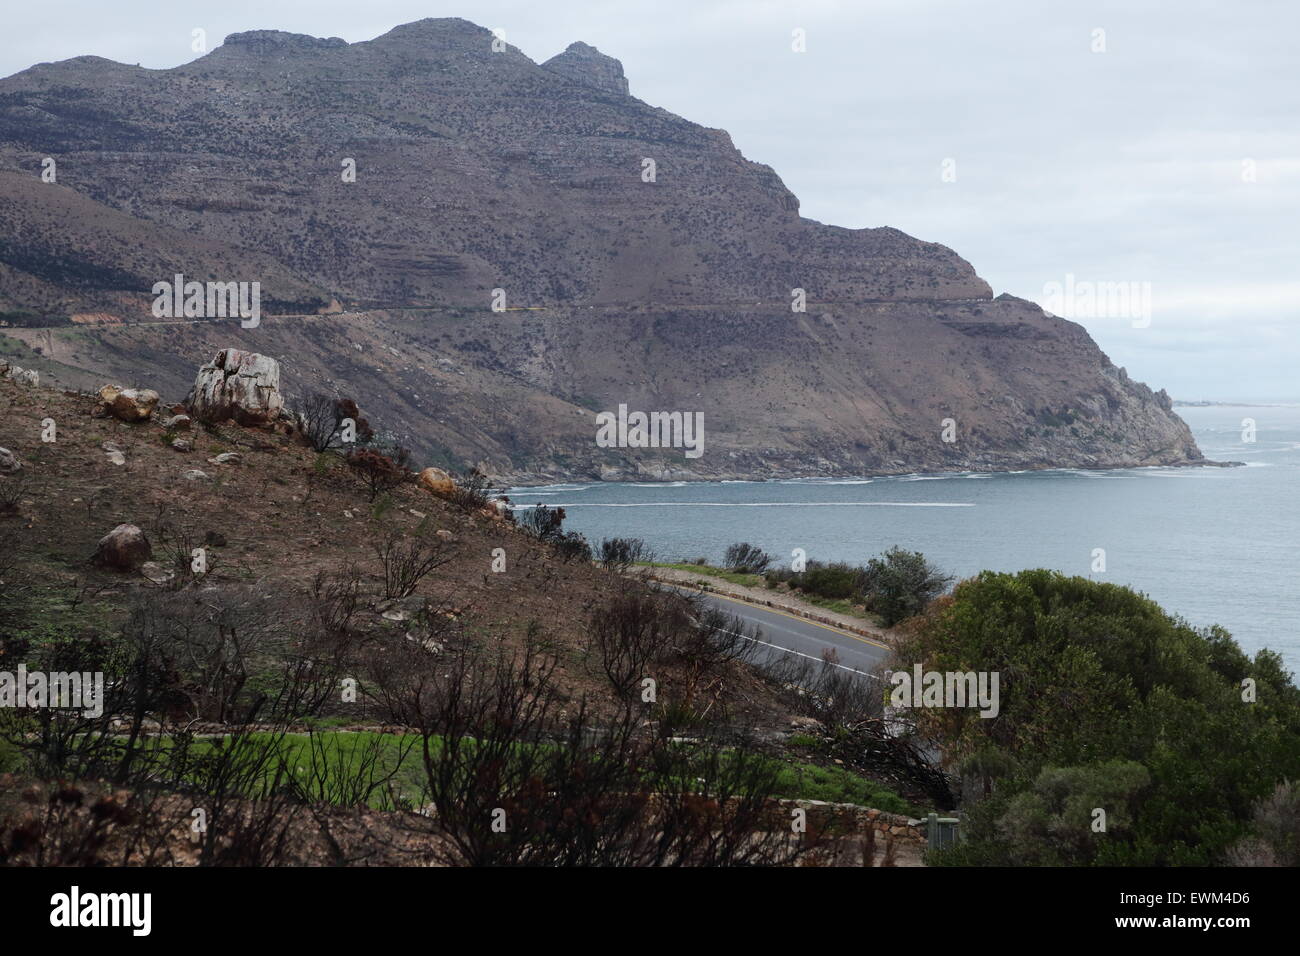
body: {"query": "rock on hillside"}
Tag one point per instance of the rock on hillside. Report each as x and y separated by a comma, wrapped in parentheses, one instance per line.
(237, 386)
(585, 64)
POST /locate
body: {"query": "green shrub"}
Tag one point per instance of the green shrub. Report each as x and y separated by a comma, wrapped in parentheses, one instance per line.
(1092, 673)
(901, 583)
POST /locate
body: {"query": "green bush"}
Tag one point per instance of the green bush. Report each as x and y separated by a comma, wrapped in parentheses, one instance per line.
(1092, 673)
(901, 583)
(835, 581)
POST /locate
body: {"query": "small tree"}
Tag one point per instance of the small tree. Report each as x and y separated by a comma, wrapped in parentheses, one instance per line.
(320, 420)
(746, 558)
(471, 492)
(901, 583)
(572, 546)
(407, 561)
(379, 472)
(543, 523)
(1275, 840)
(619, 554)
(634, 630)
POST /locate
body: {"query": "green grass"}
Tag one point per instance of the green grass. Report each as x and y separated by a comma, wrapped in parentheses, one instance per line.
(794, 780)
(806, 781)
(838, 605)
(48, 617)
(735, 577)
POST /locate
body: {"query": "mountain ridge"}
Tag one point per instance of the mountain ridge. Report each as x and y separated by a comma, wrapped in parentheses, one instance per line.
(479, 171)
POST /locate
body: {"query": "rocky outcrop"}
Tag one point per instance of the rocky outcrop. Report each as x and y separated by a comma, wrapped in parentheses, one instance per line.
(9, 463)
(127, 404)
(269, 43)
(587, 65)
(238, 386)
(20, 375)
(125, 548)
(437, 481)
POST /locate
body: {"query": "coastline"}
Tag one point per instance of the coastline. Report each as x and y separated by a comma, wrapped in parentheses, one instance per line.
(511, 481)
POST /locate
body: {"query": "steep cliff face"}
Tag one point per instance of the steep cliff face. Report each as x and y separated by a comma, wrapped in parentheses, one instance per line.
(414, 179)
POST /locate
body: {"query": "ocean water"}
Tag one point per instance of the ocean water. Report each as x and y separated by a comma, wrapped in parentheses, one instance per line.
(1214, 545)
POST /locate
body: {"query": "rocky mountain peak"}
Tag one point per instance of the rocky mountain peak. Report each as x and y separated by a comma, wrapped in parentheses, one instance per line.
(585, 64)
(279, 41)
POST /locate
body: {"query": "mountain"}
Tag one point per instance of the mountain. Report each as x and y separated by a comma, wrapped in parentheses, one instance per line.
(642, 261)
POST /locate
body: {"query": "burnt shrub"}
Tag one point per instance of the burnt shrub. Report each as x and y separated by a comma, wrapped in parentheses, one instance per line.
(633, 630)
(319, 419)
(406, 561)
(543, 523)
(547, 524)
(472, 490)
(619, 554)
(379, 472)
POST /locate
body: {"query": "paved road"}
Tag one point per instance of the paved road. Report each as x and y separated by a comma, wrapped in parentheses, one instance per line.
(780, 304)
(784, 633)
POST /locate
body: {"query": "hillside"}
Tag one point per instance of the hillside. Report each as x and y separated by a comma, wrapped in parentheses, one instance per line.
(301, 593)
(479, 170)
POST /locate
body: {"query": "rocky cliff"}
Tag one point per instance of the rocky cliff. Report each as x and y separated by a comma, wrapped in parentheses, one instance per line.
(387, 194)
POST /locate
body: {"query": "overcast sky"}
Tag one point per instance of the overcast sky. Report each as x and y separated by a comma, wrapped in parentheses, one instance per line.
(1170, 159)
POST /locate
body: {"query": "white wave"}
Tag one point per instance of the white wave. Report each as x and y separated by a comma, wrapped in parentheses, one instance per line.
(525, 490)
(1180, 473)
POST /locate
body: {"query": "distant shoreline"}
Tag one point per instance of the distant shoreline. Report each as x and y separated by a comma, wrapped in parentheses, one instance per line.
(1180, 403)
(506, 483)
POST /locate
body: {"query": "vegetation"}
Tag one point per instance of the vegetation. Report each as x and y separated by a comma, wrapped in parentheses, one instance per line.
(619, 554)
(1106, 703)
(896, 585)
(547, 524)
(406, 560)
(320, 419)
(378, 472)
(326, 711)
(900, 584)
(746, 558)
(472, 491)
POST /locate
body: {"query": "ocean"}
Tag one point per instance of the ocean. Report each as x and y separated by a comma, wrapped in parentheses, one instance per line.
(1213, 545)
